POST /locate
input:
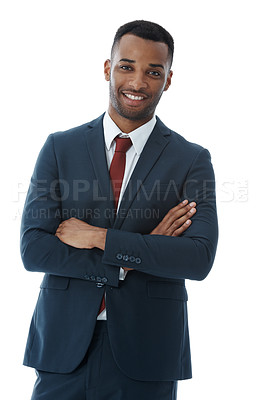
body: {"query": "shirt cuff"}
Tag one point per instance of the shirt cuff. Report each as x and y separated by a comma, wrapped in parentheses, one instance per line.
(122, 274)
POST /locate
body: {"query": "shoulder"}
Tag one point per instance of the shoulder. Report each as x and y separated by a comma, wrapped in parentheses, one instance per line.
(75, 134)
(185, 152)
(188, 155)
(178, 140)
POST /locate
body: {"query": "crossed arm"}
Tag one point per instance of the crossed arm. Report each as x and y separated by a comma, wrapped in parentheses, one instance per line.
(94, 251)
(79, 234)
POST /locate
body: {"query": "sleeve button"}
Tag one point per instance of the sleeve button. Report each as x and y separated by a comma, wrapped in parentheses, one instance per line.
(119, 256)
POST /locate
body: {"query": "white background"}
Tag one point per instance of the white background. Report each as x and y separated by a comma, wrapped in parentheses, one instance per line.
(52, 55)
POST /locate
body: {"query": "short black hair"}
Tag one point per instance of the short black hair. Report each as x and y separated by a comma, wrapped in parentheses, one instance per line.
(146, 30)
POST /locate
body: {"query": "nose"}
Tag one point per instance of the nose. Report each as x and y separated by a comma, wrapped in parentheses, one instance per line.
(138, 81)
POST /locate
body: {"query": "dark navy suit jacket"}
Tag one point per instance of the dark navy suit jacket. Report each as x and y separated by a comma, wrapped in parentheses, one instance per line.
(147, 312)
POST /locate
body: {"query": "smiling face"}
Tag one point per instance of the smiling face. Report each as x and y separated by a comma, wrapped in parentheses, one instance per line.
(139, 72)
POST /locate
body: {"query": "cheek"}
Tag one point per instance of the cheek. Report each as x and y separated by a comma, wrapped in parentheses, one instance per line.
(113, 82)
(157, 91)
(119, 80)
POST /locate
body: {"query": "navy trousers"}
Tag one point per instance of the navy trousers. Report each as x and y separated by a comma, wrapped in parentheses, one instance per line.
(99, 378)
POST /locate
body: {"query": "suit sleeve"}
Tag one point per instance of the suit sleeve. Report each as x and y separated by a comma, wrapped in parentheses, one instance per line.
(41, 250)
(189, 256)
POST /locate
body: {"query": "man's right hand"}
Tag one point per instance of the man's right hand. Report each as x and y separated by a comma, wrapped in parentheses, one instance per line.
(177, 220)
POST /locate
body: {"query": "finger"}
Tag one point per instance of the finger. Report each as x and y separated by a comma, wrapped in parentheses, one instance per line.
(180, 221)
(188, 210)
(61, 238)
(173, 210)
(177, 212)
(61, 225)
(191, 212)
(182, 204)
(172, 219)
(182, 229)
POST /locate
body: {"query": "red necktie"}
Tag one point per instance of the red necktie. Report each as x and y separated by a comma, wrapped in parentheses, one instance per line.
(117, 169)
(118, 166)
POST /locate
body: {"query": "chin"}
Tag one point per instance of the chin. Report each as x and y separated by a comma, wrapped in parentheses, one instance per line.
(135, 115)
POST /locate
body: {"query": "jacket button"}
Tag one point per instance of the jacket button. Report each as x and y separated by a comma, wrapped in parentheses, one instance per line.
(125, 257)
(138, 260)
(119, 256)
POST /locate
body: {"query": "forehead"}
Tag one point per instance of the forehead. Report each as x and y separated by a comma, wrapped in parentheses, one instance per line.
(141, 50)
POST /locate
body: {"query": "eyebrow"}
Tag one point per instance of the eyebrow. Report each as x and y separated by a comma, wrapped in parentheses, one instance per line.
(127, 60)
(133, 62)
(156, 66)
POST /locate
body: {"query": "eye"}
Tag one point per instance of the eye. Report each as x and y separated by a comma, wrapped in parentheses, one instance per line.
(154, 73)
(125, 68)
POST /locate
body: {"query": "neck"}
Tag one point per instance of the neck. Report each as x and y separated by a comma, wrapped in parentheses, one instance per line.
(127, 125)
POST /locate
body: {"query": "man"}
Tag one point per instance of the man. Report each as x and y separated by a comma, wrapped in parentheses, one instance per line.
(108, 220)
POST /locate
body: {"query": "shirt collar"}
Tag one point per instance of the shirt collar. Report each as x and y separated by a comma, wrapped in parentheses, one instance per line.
(138, 137)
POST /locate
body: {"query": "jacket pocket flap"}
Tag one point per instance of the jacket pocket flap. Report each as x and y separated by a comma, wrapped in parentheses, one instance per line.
(55, 282)
(167, 290)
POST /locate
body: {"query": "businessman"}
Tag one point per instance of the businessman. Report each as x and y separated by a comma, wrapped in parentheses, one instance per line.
(119, 213)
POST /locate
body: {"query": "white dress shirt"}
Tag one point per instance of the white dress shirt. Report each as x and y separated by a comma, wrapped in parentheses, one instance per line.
(139, 138)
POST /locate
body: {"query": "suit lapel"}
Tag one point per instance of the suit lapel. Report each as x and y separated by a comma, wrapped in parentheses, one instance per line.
(96, 149)
(148, 158)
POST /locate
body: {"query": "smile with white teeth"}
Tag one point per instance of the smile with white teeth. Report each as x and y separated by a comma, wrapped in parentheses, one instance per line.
(132, 97)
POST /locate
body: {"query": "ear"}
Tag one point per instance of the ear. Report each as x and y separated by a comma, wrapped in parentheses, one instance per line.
(168, 83)
(107, 69)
